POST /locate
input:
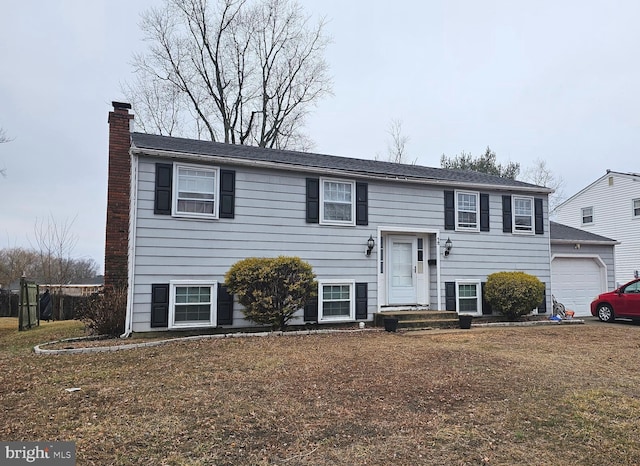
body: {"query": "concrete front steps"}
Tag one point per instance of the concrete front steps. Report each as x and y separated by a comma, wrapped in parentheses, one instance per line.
(419, 319)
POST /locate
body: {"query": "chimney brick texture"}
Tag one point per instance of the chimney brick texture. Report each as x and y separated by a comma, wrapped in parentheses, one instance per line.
(116, 256)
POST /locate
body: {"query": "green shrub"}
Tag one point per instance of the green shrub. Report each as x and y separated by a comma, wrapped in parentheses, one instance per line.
(271, 290)
(513, 294)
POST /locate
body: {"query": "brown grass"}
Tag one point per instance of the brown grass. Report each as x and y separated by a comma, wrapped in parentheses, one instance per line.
(540, 395)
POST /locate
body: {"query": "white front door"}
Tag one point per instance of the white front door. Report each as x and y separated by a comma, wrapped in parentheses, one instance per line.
(402, 277)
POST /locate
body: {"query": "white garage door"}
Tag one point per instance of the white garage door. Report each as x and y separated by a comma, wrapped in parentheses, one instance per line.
(575, 282)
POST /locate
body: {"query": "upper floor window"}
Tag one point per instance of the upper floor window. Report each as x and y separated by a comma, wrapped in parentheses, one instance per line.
(636, 207)
(337, 202)
(466, 211)
(587, 215)
(522, 214)
(195, 191)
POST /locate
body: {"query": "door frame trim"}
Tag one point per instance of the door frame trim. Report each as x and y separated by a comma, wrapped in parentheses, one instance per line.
(385, 230)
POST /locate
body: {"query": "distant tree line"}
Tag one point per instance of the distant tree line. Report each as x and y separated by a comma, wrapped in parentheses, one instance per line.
(43, 268)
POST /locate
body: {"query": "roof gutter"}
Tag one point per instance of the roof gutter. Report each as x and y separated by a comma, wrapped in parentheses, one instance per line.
(325, 171)
(588, 242)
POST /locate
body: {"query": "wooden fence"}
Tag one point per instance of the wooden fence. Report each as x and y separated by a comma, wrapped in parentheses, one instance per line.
(29, 309)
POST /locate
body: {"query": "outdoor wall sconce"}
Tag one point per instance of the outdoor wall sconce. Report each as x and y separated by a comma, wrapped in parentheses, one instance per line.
(447, 247)
(370, 244)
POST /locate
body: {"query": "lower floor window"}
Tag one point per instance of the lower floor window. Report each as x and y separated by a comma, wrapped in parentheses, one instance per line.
(468, 297)
(192, 304)
(336, 301)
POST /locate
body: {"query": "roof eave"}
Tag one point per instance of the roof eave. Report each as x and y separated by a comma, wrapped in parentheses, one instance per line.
(587, 242)
(321, 170)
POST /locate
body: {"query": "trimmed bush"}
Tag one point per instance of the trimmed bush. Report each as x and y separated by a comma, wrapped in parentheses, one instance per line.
(513, 294)
(271, 290)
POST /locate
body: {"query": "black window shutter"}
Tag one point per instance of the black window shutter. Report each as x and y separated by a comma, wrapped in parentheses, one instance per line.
(542, 307)
(361, 301)
(227, 193)
(225, 306)
(449, 210)
(160, 305)
(484, 212)
(362, 204)
(313, 201)
(162, 202)
(539, 216)
(506, 214)
(311, 310)
(486, 307)
(450, 296)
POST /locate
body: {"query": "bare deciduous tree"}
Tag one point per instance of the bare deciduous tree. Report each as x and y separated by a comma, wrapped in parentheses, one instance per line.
(3, 138)
(540, 174)
(397, 146)
(55, 243)
(230, 70)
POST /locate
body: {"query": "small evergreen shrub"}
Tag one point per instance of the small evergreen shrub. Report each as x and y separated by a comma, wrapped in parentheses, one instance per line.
(513, 294)
(104, 313)
(271, 290)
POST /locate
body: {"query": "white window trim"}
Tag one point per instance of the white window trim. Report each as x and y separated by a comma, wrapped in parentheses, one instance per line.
(478, 296)
(633, 201)
(173, 284)
(352, 300)
(174, 193)
(582, 215)
(323, 221)
(477, 196)
(513, 216)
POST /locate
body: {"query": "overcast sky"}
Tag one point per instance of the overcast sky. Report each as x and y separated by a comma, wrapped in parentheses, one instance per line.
(556, 80)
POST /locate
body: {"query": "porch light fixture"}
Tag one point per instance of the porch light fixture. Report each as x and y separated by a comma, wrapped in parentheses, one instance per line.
(370, 244)
(447, 247)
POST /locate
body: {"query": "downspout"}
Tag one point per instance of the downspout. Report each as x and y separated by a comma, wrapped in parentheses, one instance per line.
(133, 206)
(439, 254)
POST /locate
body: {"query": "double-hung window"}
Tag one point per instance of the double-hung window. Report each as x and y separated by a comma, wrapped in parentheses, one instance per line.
(467, 207)
(587, 215)
(636, 208)
(337, 202)
(522, 214)
(468, 296)
(336, 301)
(195, 191)
(192, 303)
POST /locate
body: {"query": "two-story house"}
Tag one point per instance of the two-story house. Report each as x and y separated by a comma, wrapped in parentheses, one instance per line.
(379, 235)
(610, 207)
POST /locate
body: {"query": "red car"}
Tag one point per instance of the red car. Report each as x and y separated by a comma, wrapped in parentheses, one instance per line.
(621, 302)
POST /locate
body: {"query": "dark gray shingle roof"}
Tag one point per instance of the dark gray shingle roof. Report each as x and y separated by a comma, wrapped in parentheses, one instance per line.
(558, 231)
(364, 167)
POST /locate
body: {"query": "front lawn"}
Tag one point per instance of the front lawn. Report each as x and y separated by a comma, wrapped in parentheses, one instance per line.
(519, 395)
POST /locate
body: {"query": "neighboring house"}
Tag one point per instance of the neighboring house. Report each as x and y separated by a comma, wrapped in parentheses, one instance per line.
(610, 206)
(379, 235)
(582, 267)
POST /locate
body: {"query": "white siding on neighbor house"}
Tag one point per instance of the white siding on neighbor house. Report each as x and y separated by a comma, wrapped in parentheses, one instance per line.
(270, 220)
(576, 274)
(612, 218)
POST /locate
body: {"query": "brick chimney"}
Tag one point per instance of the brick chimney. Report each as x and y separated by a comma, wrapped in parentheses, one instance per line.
(116, 255)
